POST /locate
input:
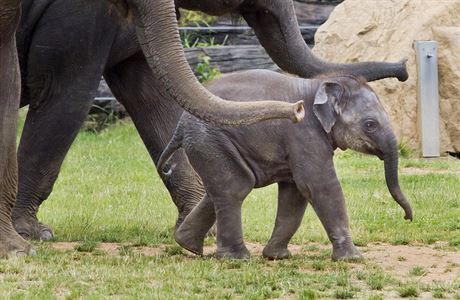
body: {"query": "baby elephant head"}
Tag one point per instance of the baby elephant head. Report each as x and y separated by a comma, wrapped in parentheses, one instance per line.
(351, 112)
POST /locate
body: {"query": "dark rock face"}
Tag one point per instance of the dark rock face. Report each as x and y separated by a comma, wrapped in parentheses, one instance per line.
(104, 103)
(320, 2)
(226, 35)
(312, 13)
(232, 58)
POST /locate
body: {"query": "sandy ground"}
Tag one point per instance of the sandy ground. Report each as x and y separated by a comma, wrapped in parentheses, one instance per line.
(420, 171)
(438, 265)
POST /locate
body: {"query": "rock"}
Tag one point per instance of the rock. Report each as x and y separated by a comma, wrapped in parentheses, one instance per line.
(228, 34)
(385, 30)
(104, 103)
(449, 64)
(231, 58)
(320, 2)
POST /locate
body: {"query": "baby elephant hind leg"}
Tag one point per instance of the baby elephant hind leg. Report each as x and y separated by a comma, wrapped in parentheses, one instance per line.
(291, 209)
(227, 181)
(191, 233)
(226, 207)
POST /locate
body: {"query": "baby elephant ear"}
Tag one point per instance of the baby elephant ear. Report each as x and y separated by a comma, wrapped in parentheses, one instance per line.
(326, 103)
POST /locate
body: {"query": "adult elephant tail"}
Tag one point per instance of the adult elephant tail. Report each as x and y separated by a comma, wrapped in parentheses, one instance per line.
(159, 38)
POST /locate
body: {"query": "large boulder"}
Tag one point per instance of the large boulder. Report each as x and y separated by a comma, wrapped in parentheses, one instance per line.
(386, 30)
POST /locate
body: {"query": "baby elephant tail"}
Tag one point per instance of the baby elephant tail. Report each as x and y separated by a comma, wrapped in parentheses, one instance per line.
(174, 144)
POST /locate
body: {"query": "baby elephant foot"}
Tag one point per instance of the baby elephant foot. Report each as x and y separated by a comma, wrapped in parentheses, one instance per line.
(273, 252)
(12, 245)
(239, 252)
(346, 252)
(189, 241)
(31, 229)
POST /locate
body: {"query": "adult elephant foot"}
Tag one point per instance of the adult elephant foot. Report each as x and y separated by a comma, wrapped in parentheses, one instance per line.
(12, 245)
(31, 229)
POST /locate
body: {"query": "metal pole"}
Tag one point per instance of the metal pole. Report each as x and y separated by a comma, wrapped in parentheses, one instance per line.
(428, 97)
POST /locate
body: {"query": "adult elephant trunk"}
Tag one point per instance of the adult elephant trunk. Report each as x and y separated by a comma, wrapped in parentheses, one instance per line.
(159, 37)
(278, 31)
(391, 176)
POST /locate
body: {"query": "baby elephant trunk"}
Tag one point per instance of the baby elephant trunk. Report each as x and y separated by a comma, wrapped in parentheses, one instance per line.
(391, 177)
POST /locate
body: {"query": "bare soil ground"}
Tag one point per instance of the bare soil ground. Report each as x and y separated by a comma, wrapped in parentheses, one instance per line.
(438, 265)
(396, 260)
(421, 171)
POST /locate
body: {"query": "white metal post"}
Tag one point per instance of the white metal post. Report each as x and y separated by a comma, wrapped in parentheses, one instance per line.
(428, 97)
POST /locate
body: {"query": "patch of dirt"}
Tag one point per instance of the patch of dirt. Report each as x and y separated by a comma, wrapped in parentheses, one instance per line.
(111, 249)
(420, 171)
(396, 260)
(63, 246)
(438, 265)
(150, 251)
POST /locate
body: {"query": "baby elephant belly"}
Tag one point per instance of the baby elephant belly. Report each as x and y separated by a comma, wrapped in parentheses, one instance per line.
(267, 173)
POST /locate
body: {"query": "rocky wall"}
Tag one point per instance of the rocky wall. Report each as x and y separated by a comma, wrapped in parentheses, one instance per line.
(360, 30)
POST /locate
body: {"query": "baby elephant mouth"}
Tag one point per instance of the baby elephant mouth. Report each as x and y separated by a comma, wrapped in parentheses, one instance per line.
(373, 151)
(379, 154)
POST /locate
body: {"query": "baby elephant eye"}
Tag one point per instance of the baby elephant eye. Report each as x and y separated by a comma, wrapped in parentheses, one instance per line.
(370, 125)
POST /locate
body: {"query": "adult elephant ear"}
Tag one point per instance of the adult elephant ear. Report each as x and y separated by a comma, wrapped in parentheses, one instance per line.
(158, 34)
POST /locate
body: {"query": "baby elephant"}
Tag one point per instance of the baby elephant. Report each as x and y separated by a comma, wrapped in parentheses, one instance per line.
(341, 111)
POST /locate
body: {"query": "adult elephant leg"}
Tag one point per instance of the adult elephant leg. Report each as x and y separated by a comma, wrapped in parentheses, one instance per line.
(60, 85)
(11, 244)
(155, 118)
(289, 215)
(47, 136)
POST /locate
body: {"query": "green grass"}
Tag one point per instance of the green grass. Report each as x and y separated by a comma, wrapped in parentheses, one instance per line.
(108, 191)
(417, 271)
(86, 246)
(408, 290)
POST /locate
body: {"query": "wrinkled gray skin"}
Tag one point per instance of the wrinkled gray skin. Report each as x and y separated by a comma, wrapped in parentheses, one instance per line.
(11, 244)
(341, 111)
(156, 28)
(59, 95)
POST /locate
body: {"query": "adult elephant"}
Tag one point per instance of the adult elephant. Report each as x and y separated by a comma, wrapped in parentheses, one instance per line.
(60, 94)
(157, 31)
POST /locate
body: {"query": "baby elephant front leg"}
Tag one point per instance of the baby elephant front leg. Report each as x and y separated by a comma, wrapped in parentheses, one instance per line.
(291, 208)
(230, 243)
(329, 204)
